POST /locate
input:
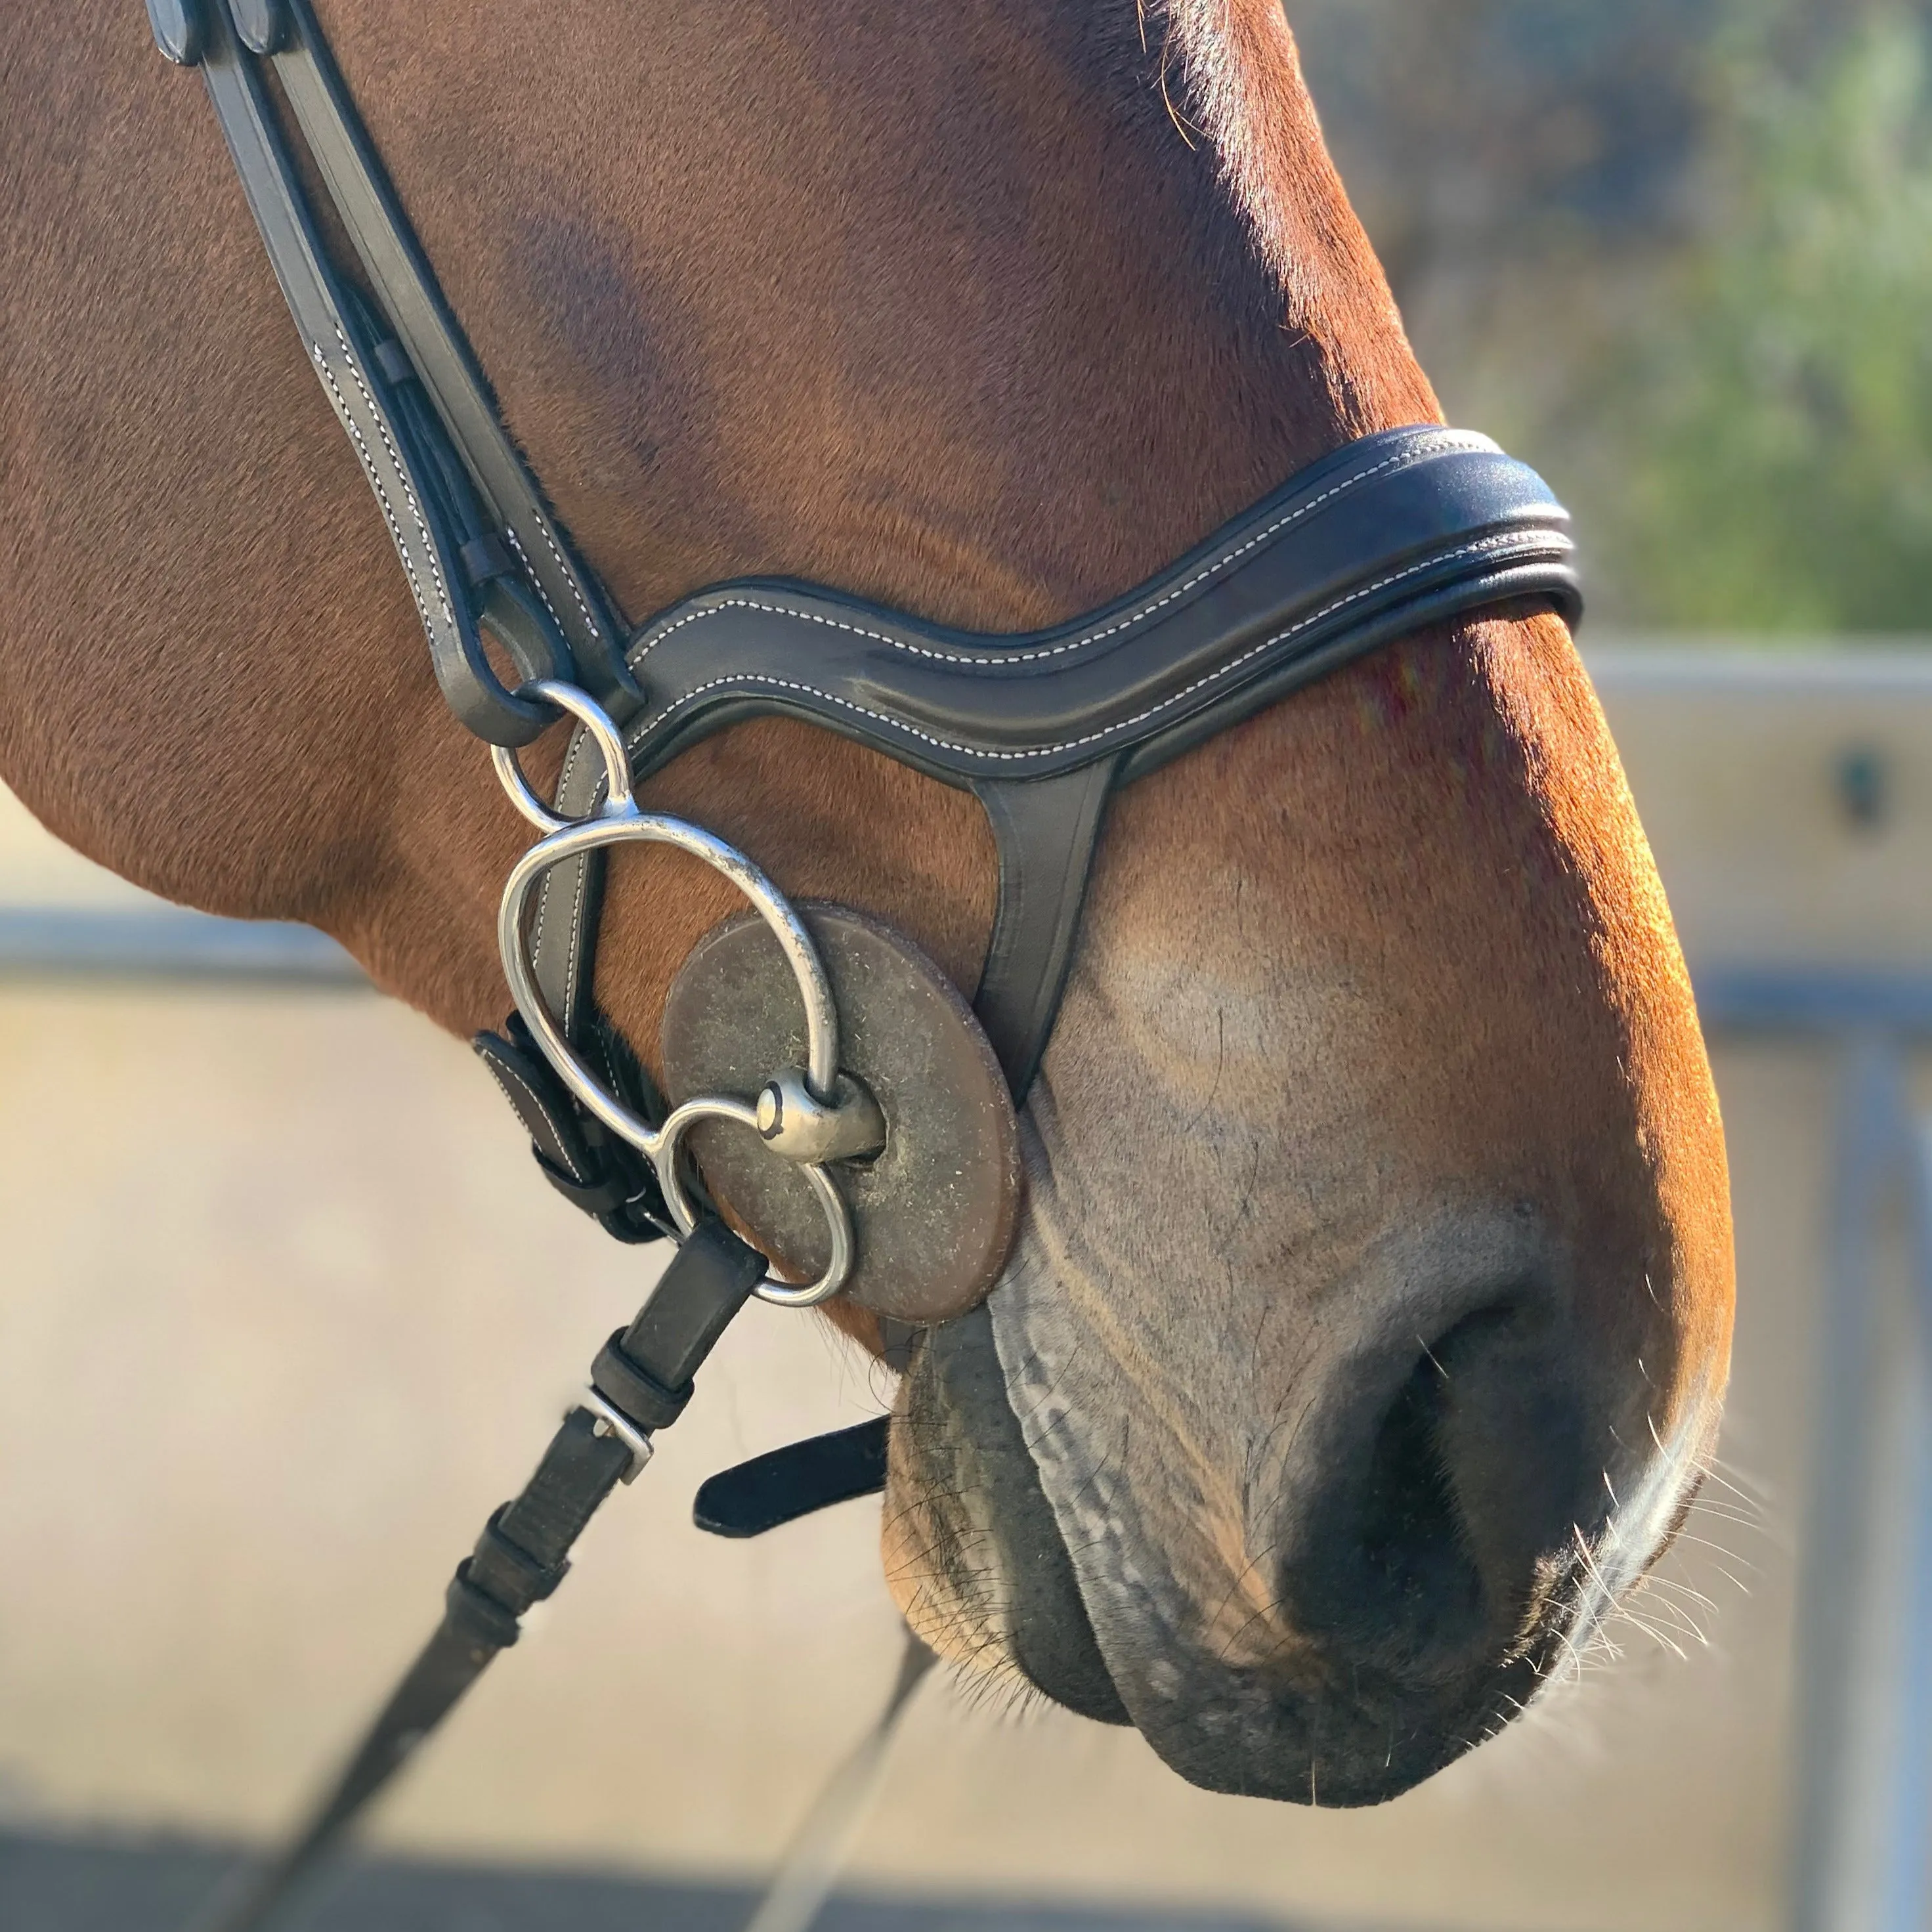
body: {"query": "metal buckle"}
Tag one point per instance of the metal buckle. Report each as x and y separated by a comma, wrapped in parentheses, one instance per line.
(612, 1420)
(618, 820)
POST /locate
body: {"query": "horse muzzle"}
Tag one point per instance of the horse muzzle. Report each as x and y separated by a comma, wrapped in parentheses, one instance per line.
(1419, 1561)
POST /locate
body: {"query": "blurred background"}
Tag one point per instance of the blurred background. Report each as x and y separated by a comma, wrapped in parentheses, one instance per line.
(1675, 253)
(286, 1313)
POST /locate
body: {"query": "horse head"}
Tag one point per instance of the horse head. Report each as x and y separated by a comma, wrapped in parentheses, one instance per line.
(1369, 1315)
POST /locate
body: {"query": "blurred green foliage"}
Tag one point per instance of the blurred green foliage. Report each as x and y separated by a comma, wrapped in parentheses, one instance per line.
(1678, 253)
(1773, 425)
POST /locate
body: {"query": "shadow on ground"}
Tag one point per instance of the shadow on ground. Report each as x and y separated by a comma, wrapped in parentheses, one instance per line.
(80, 1884)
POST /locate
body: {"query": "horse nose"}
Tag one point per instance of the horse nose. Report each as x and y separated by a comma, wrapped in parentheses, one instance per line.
(1449, 1509)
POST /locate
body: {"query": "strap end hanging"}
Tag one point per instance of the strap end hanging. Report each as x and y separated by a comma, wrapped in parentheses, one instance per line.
(593, 1170)
(795, 1481)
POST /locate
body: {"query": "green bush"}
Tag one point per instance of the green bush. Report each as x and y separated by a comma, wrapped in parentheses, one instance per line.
(1769, 439)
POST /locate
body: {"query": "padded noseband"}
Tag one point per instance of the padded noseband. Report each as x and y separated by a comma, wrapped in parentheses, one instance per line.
(1393, 532)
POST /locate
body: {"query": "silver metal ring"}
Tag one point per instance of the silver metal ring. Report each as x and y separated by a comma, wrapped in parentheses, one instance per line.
(618, 821)
(604, 734)
(838, 1216)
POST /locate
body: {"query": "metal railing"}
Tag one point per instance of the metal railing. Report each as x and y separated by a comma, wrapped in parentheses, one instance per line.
(1861, 1792)
(84, 943)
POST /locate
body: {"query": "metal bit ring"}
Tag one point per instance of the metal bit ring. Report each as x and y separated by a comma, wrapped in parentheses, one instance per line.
(838, 1215)
(618, 821)
(610, 743)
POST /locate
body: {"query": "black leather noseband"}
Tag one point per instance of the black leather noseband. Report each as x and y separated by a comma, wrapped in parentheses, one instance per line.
(1390, 533)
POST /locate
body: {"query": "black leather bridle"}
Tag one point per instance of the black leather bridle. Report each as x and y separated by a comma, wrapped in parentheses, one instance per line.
(1393, 532)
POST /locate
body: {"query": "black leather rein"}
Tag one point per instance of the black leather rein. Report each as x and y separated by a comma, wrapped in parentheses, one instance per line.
(1395, 531)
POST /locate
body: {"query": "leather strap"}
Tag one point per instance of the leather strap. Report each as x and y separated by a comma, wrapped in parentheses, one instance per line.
(523, 1552)
(406, 285)
(595, 1170)
(1045, 831)
(801, 1478)
(1385, 535)
(480, 553)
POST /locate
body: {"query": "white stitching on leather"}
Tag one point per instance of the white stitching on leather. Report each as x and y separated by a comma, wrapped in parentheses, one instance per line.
(579, 894)
(516, 543)
(402, 472)
(549, 875)
(1475, 549)
(502, 1079)
(544, 889)
(573, 951)
(564, 570)
(568, 1167)
(1407, 454)
(570, 578)
(369, 470)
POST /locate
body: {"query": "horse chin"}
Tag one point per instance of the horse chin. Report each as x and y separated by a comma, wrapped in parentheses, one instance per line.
(983, 1572)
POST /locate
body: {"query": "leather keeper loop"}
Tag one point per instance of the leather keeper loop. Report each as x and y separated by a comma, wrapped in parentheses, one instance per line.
(600, 1197)
(503, 1570)
(475, 1614)
(392, 358)
(486, 556)
(623, 1383)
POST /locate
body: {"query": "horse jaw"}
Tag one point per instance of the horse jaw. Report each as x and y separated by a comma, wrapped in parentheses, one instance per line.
(1371, 1316)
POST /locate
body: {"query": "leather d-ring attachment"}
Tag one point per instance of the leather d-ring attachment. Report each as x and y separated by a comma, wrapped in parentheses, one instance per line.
(935, 1213)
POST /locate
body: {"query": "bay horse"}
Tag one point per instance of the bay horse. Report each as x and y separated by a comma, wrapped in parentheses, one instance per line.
(1369, 1322)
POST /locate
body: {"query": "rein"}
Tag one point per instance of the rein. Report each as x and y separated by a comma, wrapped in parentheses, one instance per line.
(1393, 532)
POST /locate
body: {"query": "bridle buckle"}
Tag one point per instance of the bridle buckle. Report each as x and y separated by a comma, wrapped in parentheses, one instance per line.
(611, 1421)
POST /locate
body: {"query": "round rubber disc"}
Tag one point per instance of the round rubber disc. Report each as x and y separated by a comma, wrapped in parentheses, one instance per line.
(934, 1214)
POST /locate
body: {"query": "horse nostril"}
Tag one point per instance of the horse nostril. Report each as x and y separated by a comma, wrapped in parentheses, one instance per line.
(1441, 1506)
(1422, 1582)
